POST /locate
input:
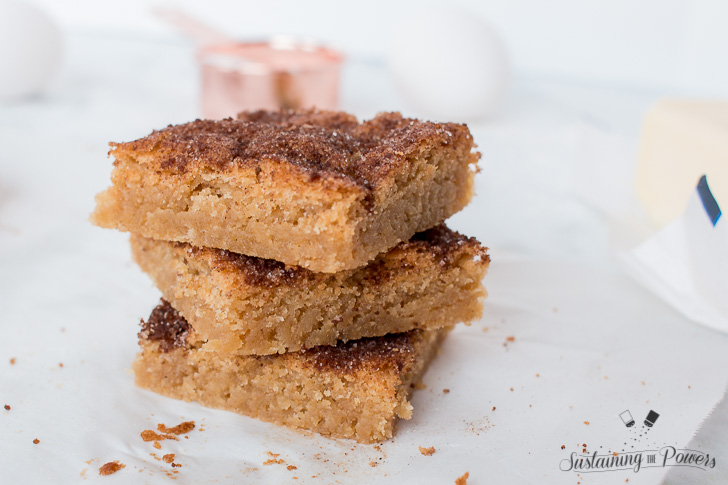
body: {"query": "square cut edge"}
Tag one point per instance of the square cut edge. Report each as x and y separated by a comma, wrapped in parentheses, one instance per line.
(356, 390)
(245, 305)
(313, 189)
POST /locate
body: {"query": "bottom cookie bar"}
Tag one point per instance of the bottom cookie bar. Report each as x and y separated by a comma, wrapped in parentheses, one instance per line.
(354, 390)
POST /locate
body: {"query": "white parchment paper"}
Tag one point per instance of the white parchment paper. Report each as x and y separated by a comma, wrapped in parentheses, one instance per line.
(588, 342)
(587, 345)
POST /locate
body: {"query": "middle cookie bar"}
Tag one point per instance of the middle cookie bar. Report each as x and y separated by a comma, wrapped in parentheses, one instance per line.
(245, 305)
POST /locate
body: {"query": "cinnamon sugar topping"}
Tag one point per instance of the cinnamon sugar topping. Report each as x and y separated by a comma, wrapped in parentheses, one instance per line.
(320, 144)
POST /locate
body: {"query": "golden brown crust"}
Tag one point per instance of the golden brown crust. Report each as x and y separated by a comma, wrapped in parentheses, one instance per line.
(440, 242)
(395, 352)
(319, 144)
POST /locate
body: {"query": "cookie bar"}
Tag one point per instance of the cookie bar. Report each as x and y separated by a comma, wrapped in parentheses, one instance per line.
(355, 390)
(246, 305)
(309, 188)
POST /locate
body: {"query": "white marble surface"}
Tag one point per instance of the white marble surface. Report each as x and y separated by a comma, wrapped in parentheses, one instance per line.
(554, 193)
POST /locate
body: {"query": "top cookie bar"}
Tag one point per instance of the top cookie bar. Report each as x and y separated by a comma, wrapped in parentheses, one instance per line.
(309, 188)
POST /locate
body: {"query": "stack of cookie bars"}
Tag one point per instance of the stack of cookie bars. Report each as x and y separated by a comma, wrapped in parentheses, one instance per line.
(307, 277)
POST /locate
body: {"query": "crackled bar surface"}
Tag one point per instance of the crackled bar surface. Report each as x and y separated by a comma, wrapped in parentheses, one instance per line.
(356, 390)
(246, 305)
(310, 188)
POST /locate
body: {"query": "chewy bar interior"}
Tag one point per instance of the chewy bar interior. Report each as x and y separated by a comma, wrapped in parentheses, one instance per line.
(245, 305)
(314, 189)
(355, 390)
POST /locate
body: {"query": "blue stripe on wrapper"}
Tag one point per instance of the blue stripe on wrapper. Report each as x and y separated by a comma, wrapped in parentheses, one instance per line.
(709, 202)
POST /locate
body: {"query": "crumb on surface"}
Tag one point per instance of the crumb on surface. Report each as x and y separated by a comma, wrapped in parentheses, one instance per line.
(7, 407)
(12, 361)
(427, 451)
(168, 458)
(111, 467)
(563, 447)
(587, 423)
(60, 364)
(292, 467)
(511, 389)
(182, 428)
(615, 454)
(149, 435)
(274, 461)
(372, 464)
(511, 339)
(462, 480)
(36, 441)
(445, 391)
(493, 408)
(157, 445)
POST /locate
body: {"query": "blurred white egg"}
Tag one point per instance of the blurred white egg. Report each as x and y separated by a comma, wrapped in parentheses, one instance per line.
(30, 49)
(449, 64)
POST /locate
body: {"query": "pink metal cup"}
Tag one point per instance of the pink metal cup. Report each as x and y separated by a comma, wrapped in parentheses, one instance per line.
(281, 73)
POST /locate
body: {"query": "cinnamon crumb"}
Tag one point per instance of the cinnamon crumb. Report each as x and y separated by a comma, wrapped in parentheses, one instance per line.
(273, 455)
(149, 435)
(615, 454)
(176, 465)
(511, 389)
(111, 467)
(446, 391)
(273, 461)
(586, 422)
(12, 361)
(463, 480)
(60, 364)
(7, 407)
(157, 445)
(182, 428)
(36, 441)
(427, 451)
(168, 458)
(510, 339)
(292, 467)
(563, 447)
(372, 464)
(642, 382)
(493, 408)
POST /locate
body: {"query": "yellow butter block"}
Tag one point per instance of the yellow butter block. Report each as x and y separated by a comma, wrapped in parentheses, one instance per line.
(682, 139)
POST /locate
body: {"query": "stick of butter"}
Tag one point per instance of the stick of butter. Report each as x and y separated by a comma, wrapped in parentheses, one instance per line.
(682, 139)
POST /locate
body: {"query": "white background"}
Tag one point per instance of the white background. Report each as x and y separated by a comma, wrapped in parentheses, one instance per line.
(553, 202)
(671, 44)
